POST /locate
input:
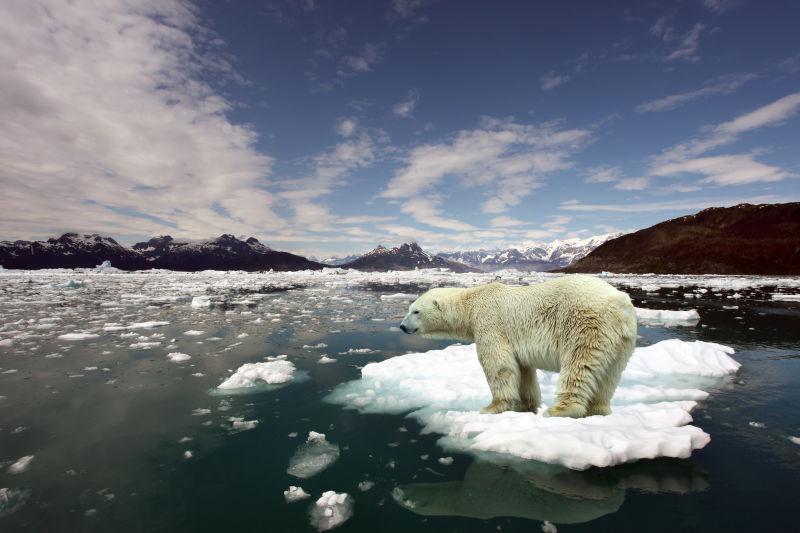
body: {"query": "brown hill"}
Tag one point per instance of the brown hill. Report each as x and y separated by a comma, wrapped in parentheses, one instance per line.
(744, 239)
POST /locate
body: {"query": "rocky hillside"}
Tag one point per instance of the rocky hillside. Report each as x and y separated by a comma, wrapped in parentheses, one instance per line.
(408, 256)
(744, 239)
(534, 257)
(68, 251)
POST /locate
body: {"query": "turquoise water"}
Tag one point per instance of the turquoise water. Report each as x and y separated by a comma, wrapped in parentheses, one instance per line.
(108, 456)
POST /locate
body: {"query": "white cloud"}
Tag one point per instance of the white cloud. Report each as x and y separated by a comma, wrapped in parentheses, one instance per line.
(720, 6)
(771, 114)
(663, 29)
(346, 126)
(551, 80)
(504, 221)
(426, 210)
(109, 125)
(689, 45)
(674, 205)
(632, 184)
(721, 85)
(724, 170)
(507, 159)
(363, 61)
(603, 174)
(406, 107)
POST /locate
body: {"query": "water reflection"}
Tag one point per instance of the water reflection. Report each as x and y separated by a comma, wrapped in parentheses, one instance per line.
(542, 492)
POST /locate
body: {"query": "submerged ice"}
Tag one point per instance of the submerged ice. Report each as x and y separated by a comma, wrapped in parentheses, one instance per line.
(650, 416)
(313, 456)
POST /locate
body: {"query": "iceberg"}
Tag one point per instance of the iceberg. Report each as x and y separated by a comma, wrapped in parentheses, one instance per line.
(444, 390)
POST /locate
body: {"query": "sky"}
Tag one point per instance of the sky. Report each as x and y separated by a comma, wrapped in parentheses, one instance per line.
(327, 127)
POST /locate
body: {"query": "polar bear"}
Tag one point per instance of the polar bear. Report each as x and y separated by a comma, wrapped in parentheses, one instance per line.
(577, 325)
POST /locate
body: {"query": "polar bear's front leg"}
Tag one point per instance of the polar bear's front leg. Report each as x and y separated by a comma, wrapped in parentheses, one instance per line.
(503, 376)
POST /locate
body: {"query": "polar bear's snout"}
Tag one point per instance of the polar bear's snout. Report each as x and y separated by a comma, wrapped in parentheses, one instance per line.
(409, 324)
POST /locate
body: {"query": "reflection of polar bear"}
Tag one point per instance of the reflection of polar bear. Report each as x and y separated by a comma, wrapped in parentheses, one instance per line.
(577, 325)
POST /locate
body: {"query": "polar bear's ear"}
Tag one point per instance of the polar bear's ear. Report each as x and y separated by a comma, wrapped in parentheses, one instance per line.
(437, 305)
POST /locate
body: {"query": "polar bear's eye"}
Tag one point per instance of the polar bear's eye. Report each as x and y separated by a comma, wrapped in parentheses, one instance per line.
(415, 312)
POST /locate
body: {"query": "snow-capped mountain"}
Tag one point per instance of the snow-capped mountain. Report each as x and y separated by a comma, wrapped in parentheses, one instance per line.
(225, 252)
(71, 250)
(535, 256)
(336, 260)
(408, 256)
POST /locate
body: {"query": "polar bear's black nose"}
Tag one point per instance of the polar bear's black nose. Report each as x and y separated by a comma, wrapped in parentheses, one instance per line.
(404, 328)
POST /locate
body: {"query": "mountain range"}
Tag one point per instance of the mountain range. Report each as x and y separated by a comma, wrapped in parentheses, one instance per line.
(537, 257)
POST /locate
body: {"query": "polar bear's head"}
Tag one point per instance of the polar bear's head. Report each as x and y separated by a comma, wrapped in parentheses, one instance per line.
(434, 315)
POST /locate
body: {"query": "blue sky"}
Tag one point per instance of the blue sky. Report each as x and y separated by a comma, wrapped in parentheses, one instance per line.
(329, 127)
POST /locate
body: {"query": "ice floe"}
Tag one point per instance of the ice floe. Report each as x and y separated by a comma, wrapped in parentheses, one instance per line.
(201, 302)
(650, 416)
(786, 297)
(667, 317)
(177, 357)
(313, 456)
(252, 374)
(331, 510)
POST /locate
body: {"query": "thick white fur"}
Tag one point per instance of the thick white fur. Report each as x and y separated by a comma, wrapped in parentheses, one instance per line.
(577, 325)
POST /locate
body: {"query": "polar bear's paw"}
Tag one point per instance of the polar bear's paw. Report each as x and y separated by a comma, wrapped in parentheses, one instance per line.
(498, 406)
(566, 411)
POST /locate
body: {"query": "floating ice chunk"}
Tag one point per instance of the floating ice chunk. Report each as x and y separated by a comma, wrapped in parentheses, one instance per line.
(188, 454)
(444, 389)
(364, 486)
(193, 333)
(12, 499)
(313, 456)
(5, 343)
(200, 411)
(238, 424)
(177, 357)
(359, 351)
(144, 345)
(77, 336)
(796, 440)
(325, 360)
(549, 527)
(136, 325)
(786, 297)
(20, 465)
(446, 461)
(200, 302)
(318, 345)
(331, 510)
(667, 318)
(251, 374)
(759, 425)
(295, 494)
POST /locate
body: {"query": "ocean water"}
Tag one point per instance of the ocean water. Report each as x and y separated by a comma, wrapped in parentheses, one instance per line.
(109, 419)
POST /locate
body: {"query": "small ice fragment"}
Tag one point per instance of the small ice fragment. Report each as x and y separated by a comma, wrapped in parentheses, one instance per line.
(238, 423)
(201, 411)
(796, 440)
(77, 336)
(12, 499)
(331, 510)
(364, 486)
(177, 357)
(756, 424)
(446, 461)
(549, 527)
(295, 494)
(193, 332)
(199, 302)
(188, 454)
(184, 439)
(20, 465)
(90, 512)
(325, 360)
(313, 456)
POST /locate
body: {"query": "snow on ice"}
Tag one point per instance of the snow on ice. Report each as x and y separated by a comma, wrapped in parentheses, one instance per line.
(295, 494)
(331, 510)
(444, 389)
(252, 374)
